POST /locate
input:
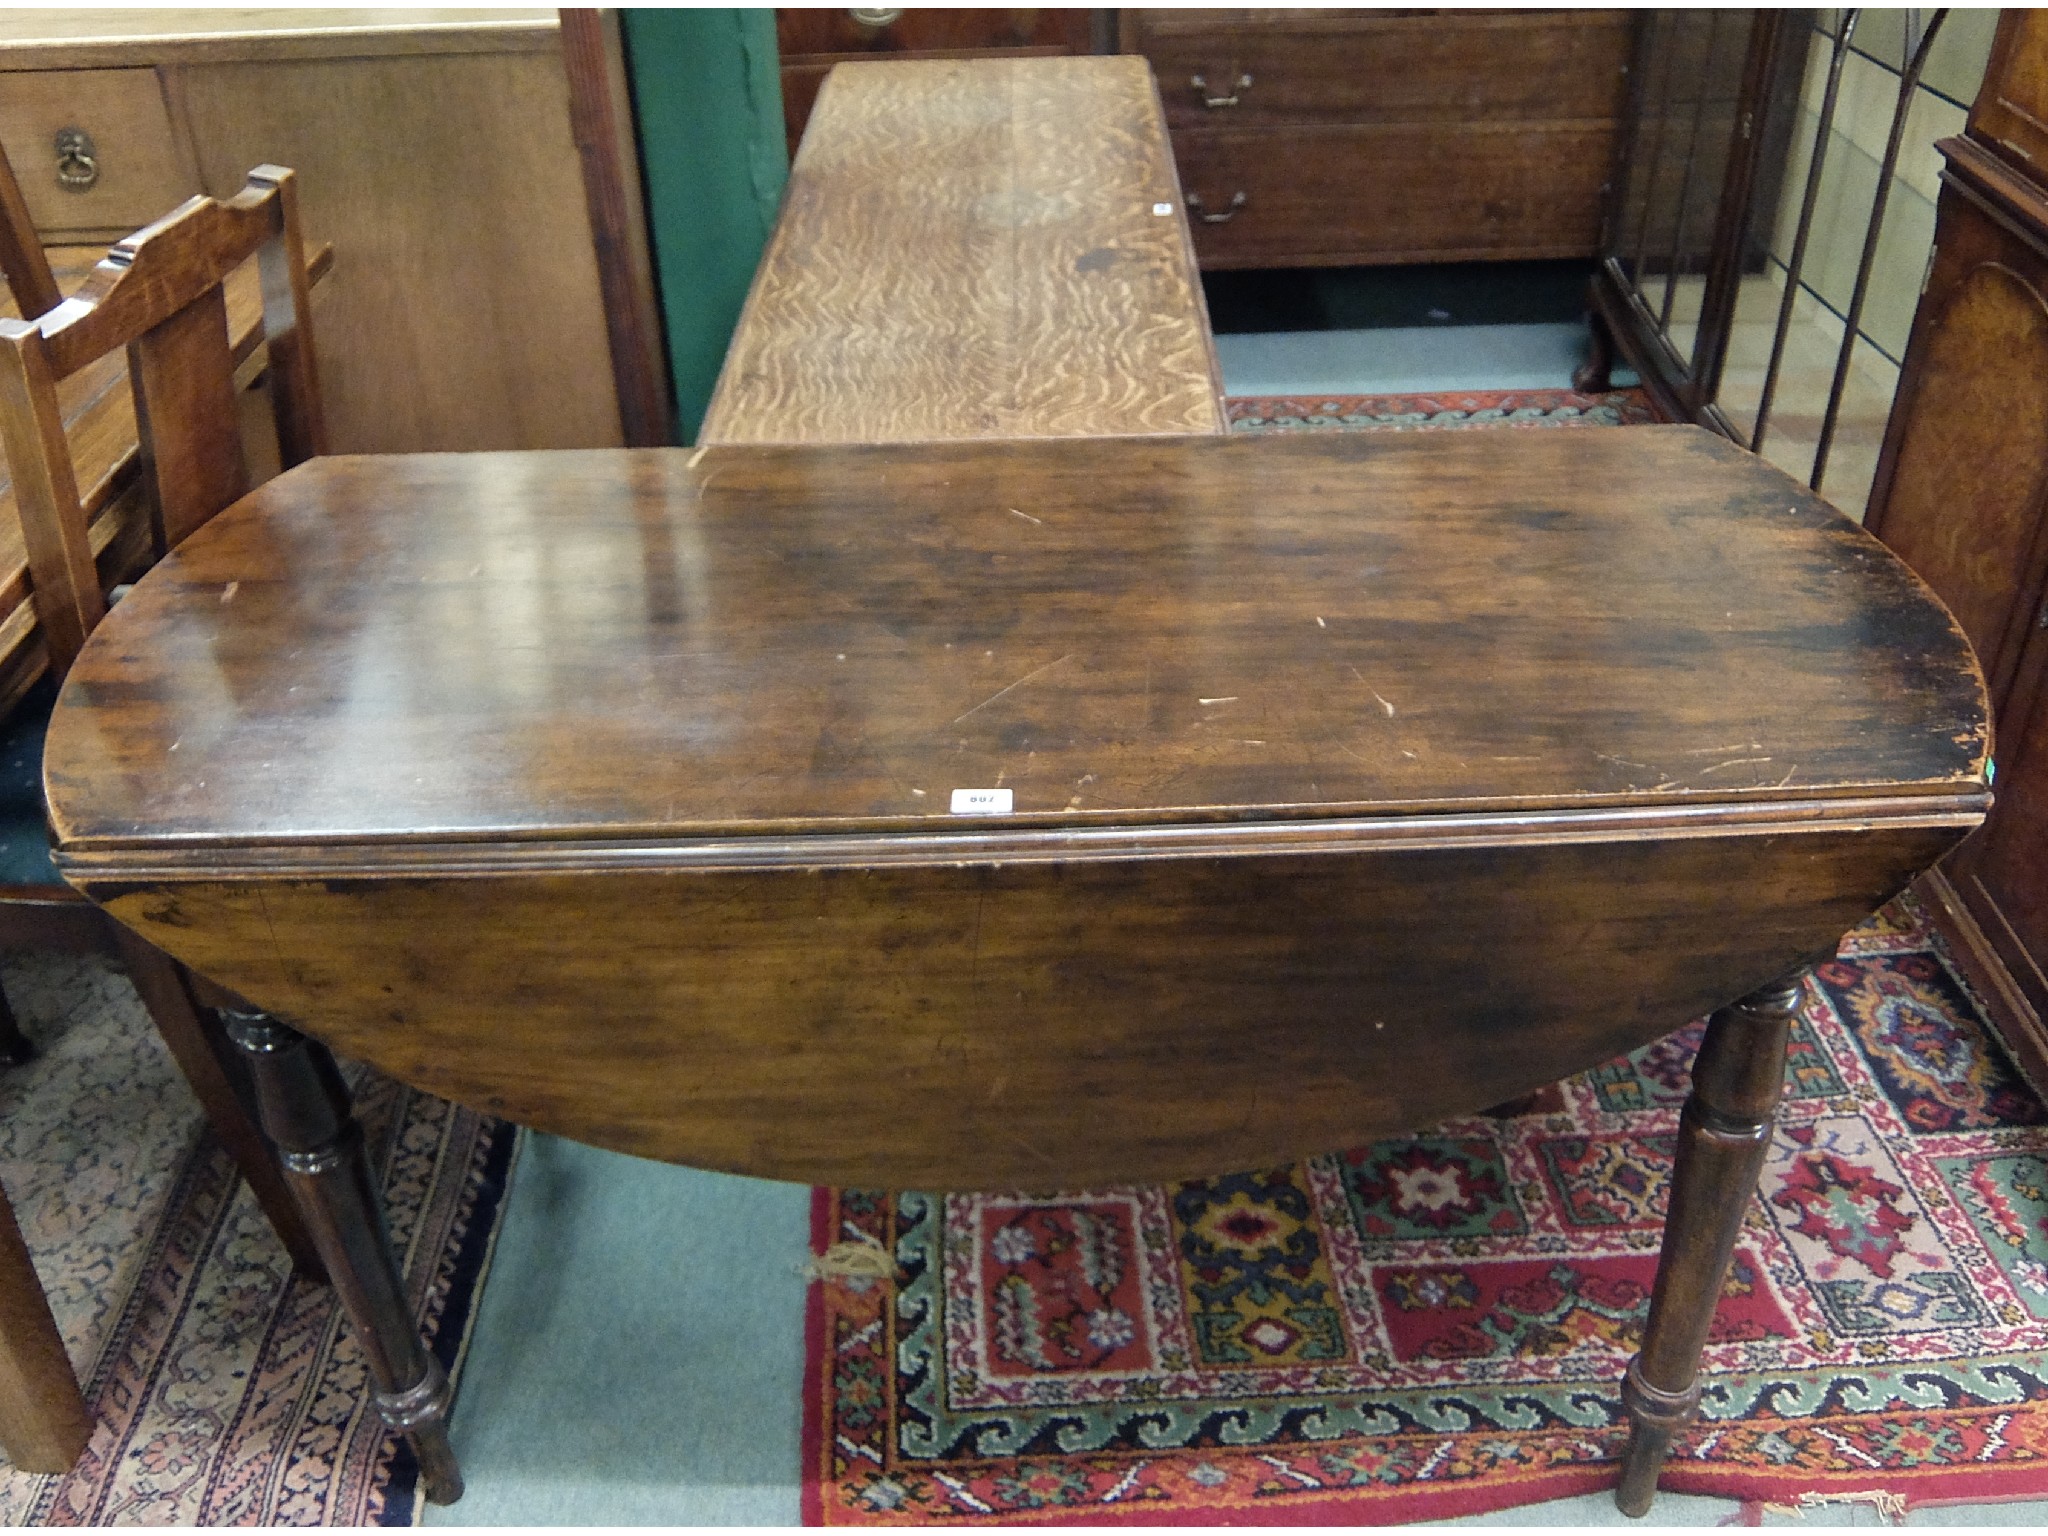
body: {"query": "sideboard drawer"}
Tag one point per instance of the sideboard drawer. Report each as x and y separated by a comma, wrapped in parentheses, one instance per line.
(1551, 67)
(134, 172)
(1318, 196)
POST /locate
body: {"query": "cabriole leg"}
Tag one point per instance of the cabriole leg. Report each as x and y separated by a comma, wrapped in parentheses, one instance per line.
(1723, 1134)
(306, 1112)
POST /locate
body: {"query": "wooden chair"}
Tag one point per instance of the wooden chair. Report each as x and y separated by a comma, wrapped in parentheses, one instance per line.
(160, 295)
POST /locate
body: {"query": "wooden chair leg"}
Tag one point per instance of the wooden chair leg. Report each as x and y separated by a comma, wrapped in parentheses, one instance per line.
(1723, 1134)
(210, 1064)
(44, 1424)
(306, 1112)
(15, 1047)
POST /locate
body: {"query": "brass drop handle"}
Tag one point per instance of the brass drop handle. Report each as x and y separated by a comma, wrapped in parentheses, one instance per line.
(875, 15)
(78, 162)
(1201, 89)
(1195, 202)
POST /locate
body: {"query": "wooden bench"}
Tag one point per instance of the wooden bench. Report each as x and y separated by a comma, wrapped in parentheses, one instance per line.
(972, 249)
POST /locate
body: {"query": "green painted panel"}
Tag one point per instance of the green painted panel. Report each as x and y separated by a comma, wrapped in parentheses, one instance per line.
(707, 98)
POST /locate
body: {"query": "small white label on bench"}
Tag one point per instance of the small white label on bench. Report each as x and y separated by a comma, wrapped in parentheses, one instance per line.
(1161, 210)
(981, 802)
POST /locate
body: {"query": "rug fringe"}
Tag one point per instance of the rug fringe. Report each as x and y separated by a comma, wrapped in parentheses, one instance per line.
(1891, 1506)
(864, 1258)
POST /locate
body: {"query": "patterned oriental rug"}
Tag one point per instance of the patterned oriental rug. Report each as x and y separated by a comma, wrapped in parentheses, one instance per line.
(1449, 408)
(227, 1392)
(1438, 1325)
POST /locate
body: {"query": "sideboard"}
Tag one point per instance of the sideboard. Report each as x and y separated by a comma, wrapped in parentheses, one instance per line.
(434, 152)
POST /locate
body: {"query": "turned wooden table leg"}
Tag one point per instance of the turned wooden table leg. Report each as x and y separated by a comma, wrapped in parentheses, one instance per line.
(1723, 1134)
(198, 1044)
(306, 1112)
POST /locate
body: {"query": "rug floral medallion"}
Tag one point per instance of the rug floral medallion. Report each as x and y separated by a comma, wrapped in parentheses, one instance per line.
(1438, 1325)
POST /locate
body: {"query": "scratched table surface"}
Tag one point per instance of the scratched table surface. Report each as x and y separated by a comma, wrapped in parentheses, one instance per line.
(1122, 632)
(974, 248)
(1309, 789)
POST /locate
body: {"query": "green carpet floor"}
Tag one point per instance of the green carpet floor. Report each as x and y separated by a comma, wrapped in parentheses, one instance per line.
(638, 1356)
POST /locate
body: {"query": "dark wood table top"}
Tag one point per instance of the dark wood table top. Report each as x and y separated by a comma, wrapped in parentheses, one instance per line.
(1128, 634)
(1354, 781)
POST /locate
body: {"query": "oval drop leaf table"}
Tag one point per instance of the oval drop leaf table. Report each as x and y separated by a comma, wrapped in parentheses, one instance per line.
(1018, 814)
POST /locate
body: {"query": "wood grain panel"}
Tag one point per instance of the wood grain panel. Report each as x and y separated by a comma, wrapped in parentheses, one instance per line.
(979, 1024)
(2011, 113)
(971, 249)
(1532, 68)
(801, 31)
(464, 311)
(1395, 192)
(1976, 439)
(802, 82)
(2003, 870)
(142, 175)
(1961, 492)
(812, 40)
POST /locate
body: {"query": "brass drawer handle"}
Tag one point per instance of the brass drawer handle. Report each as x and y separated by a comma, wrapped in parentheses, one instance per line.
(1195, 202)
(1200, 84)
(875, 15)
(78, 162)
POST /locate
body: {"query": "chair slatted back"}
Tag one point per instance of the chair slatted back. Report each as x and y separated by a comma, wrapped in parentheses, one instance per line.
(159, 294)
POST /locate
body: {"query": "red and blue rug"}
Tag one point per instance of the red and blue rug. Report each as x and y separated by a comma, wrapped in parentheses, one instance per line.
(1446, 408)
(1438, 1325)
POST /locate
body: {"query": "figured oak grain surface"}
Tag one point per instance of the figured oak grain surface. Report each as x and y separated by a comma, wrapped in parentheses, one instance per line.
(1359, 781)
(968, 248)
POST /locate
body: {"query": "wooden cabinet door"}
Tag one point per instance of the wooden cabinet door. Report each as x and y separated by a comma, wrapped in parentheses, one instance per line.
(1962, 494)
(1960, 489)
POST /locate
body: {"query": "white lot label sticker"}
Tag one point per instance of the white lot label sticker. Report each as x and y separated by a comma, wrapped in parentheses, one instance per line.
(1161, 210)
(981, 802)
